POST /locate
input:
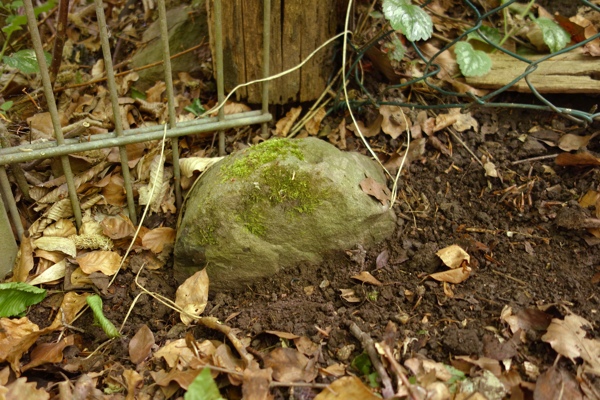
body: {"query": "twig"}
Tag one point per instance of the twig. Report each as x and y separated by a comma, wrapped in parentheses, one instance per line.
(546, 157)
(367, 343)
(459, 140)
(509, 277)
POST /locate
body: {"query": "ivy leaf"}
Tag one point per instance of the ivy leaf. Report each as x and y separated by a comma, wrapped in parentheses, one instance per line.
(15, 297)
(409, 19)
(492, 34)
(472, 62)
(25, 61)
(555, 37)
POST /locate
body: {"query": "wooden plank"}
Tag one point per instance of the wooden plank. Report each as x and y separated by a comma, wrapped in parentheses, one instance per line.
(567, 73)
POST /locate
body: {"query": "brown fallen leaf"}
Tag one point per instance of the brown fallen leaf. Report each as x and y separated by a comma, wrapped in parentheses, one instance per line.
(284, 125)
(156, 239)
(577, 159)
(367, 131)
(366, 277)
(373, 188)
(455, 276)
(107, 262)
(192, 296)
(347, 388)
(289, 365)
(453, 256)
(571, 142)
(48, 353)
(140, 345)
(257, 383)
(395, 120)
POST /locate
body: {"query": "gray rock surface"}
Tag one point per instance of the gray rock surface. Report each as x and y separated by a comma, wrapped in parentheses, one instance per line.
(278, 204)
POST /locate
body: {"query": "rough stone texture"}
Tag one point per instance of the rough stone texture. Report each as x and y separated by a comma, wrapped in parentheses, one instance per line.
(278, 204)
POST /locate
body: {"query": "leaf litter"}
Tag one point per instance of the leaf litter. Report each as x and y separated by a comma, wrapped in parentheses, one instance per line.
(355, 340)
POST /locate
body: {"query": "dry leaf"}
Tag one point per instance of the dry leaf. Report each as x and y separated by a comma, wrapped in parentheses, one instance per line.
(455, 276)
(289, 365)
(284, 125)
(192, 295)
(571, 142)
(347, 388)
(395, 120)
(373, 188)
(235, 108)
(578, 159)
(568, 338)
(453, 256)
(176, 353)
(366, 277)
(64, 245)
(117, 227)
(24, 263)
(192, 164)
(54, 273)
(256, 383)
(156, 239)
(314, 124)
(48, 353)
(141, 344)
(107, 262)
(367, 131)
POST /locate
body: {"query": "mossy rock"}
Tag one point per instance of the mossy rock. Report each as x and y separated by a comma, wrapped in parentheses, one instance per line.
(278, 204)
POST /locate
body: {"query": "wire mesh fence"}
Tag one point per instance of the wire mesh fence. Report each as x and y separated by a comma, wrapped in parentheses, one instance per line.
(580, 75)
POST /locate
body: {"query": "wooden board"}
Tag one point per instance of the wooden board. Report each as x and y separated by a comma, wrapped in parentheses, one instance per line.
(296, 31)
(567, 73)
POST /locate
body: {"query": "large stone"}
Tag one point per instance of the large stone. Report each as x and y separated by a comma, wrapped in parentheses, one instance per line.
(278, 204)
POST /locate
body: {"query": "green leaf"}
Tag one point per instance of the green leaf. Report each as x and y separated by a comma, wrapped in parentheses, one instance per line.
(410, 19)
(25, 61)
(44, 7)
(555, 37)
(203, 388)
(15, 297)
(362, 363)
(472, 62)
(95, 303)
(492, 34)
(397, 49)
(195, 108)
(6, 105)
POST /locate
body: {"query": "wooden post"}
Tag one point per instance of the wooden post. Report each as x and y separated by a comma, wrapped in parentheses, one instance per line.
(296, 31)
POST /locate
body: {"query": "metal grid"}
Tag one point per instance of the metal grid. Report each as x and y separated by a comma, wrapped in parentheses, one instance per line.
(62, 147)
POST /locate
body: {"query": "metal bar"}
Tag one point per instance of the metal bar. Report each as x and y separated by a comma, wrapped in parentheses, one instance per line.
(110, 135)
(266, 60)
(219, 61)
(11, 203)
(41, 59)
(114, 100)
(164, 36)
(71, 148)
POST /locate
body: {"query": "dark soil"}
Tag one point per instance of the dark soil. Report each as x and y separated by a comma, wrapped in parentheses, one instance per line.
(520, 258)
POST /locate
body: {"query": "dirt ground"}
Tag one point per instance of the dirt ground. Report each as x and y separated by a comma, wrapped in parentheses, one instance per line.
(521, 257)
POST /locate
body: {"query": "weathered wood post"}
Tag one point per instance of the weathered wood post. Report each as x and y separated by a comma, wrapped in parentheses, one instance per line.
(298, 27)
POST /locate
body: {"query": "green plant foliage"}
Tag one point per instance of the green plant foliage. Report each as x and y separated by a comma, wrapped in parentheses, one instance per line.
(15, 297)
(25, 61)
(95, 303)
(492, 34)
(409, 19)
(555, 37)
(203, 388)
(396, 49)
(196, 108)
(472, 62)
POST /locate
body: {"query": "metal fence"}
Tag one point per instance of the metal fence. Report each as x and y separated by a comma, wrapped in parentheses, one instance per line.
(62, 147)
(432, 68)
